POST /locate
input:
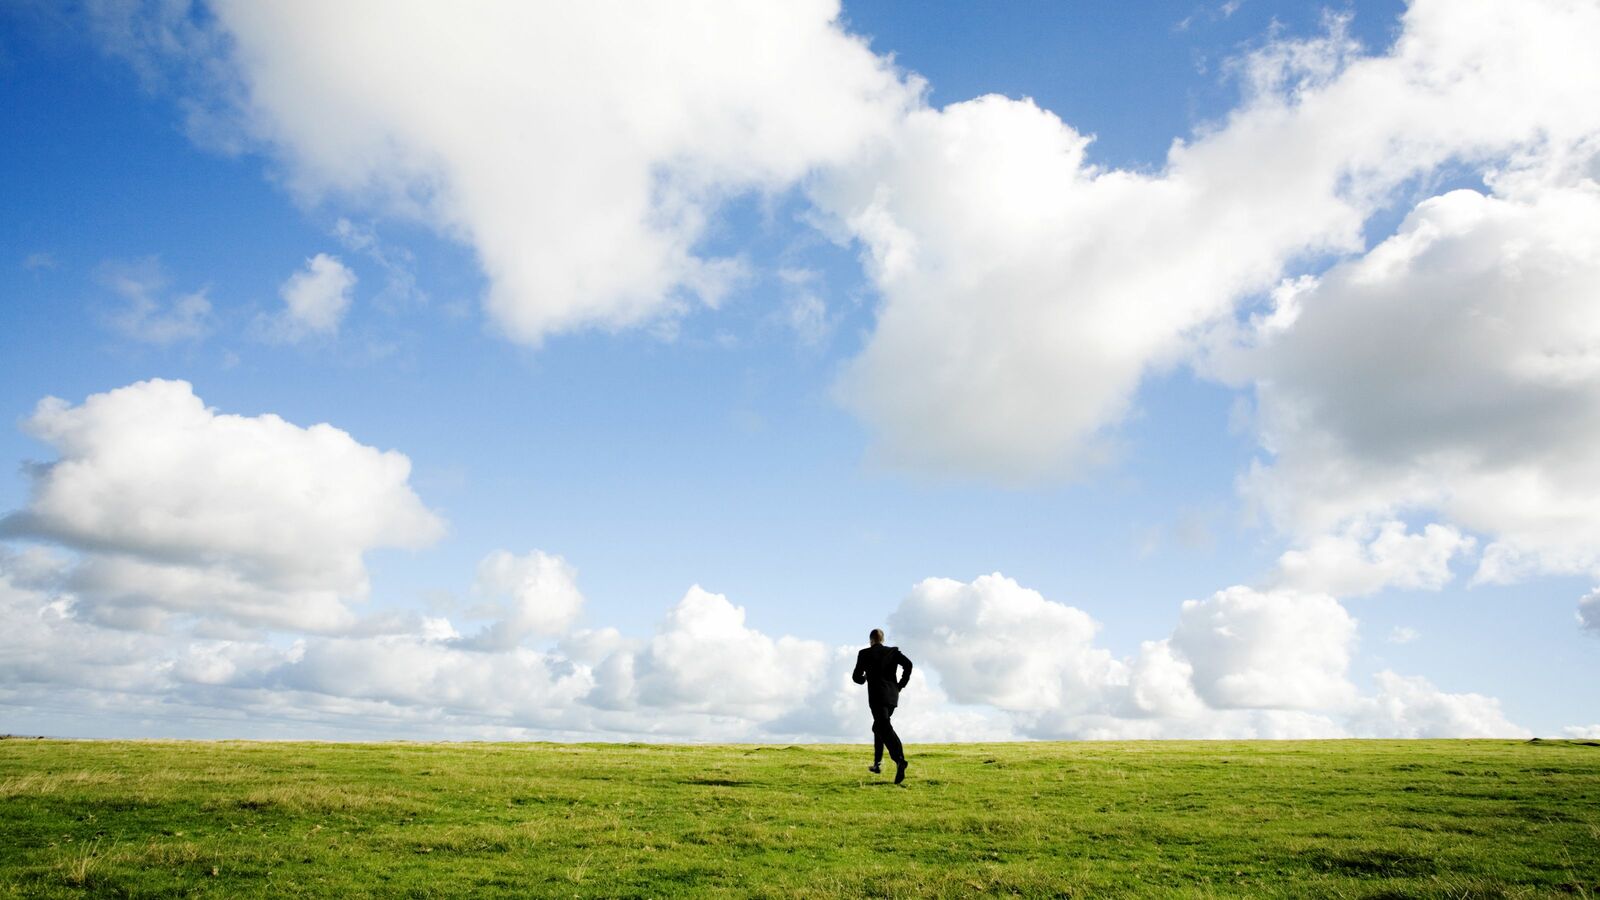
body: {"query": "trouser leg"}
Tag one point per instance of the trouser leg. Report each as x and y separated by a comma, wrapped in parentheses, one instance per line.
(883, 733)
(877, 735)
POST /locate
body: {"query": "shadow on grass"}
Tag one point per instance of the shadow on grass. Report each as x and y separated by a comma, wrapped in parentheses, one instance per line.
(1385, 863)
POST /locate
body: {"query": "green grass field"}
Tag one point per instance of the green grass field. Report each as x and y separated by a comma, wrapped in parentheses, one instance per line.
(1316, 818)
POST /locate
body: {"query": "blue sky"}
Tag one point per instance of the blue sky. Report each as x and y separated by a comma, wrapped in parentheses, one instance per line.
(878, 406)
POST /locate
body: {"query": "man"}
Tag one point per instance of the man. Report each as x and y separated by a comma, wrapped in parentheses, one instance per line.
(875, 667)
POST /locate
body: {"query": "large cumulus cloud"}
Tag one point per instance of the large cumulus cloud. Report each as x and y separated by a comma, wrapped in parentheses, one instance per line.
(1027, 291)
(994, 641)
(578, 150)
(705, 659)
(1411, 707)
(1449, 371)
(1274, 650)
(537, 595)
(176, 508)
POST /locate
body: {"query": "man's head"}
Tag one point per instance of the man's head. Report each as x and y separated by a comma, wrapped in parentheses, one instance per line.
(876, 636)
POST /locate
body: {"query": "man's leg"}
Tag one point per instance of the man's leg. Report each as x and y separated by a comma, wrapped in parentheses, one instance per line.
(891, 741)
(884, 729)
(880, 721)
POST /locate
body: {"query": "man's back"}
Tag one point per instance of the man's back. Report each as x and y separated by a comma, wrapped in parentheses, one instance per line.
(875, 667)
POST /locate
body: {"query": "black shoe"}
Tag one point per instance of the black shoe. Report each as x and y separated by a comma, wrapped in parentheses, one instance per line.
(874, 769)
(900, 771)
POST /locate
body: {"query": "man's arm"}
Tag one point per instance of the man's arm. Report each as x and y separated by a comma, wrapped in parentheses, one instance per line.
(905, 663)
(860, 674)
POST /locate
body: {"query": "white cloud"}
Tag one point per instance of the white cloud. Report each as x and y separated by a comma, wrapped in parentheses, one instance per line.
(543, 596)
(1368, 557)
(129, 591)
(1161, 684)
(1271, 650)
(995, 642)
(704, 659)
(34, 567)
(400, 287)
(1413, 708)
(589, 646)
(1403, 634)
(1242, 663)
(1589, 611)
(1582, 732)
(806, 314)
(1225, 724)
(1451, 370)
(150, 315)
(972, 220)
(176, 508)
(315, 300)
(44, 645)
(53, 658)
(1027, 292)
(579, 151)
(519, 686)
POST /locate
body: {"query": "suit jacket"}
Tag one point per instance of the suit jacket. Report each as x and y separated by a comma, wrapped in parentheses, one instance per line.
(875, 667)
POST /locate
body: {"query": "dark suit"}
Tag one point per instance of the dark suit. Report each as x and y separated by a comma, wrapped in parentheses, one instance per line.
(875, 667)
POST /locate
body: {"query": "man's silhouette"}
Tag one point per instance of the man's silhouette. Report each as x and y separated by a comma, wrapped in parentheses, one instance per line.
(875, 667)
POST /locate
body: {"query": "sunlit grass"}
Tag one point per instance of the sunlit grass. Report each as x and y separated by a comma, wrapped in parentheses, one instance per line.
(1334, 818)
